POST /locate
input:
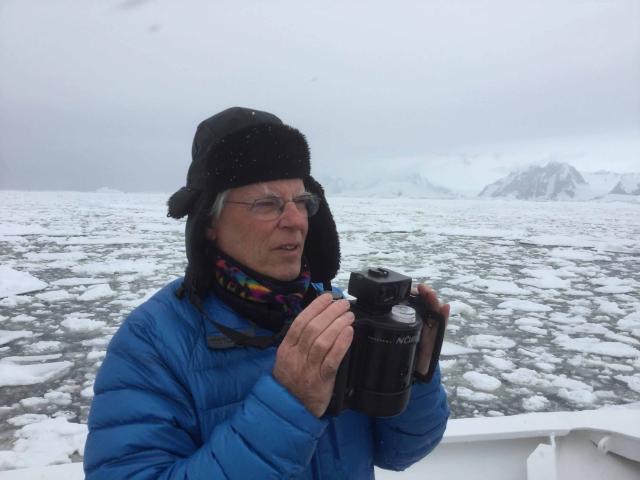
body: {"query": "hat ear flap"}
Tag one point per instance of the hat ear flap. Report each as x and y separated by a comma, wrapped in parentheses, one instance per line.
(322, 247)
(181, 202)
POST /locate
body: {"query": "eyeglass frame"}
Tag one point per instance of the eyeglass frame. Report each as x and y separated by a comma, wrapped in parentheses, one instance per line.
(307, 196)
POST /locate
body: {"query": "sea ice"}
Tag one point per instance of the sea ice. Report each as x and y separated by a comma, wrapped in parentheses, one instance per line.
(633, 381)
(499, 287)
(579, 397)
(535, 403)
(7, 336)
(490, 341)
(75, 281)
(17, 374)
(608, 308)
(462, 309)
(22, 318)
(62, 399)
(631, 322)
(534, 330)
(543, 278)
(482, 381)
(574, 254)
(450, 349)
(43, 346)
(499, 363)
(526, 377)
(469, 394)
(96, 292)
(570, 384)
(595, 346)
(14, 282)
(525, 306)
(139, 267)
(54, 296)
(78, 323)
(529, 321)
(46, 442)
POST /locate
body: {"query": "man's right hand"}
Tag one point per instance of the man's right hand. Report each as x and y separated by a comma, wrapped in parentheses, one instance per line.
(309, 356)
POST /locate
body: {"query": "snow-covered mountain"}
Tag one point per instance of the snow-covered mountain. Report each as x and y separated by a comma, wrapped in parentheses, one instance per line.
(602, 181)
(629, 184)
(561, 181)
(406, 184)
(554, 181)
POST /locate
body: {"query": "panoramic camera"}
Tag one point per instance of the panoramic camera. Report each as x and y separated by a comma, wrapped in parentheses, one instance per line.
(376, 374)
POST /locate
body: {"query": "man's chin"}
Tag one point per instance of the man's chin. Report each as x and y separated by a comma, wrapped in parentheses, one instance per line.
(286, 273)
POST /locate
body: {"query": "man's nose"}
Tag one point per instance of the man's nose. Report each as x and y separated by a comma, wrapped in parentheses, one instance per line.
(292, 217)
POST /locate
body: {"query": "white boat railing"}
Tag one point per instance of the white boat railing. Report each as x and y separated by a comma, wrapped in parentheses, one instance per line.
(586, 445)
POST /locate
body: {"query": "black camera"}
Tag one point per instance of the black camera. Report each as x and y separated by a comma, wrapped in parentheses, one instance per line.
(376, 374)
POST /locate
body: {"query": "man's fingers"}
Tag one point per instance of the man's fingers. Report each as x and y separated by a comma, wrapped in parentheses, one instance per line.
(430, 296)
(314, 328)
(445, 310)
(325, 341)
(332, 360)
(313, 310)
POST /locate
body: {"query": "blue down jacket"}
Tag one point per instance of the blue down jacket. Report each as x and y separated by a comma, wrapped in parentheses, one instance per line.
(168, 407)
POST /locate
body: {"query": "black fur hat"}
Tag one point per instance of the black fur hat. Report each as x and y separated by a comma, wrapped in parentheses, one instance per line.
(237, 147)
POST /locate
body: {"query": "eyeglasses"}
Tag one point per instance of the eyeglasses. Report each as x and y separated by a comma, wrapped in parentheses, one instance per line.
(270, 208)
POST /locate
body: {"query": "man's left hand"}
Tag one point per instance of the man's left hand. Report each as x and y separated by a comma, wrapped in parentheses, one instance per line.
(429, 333)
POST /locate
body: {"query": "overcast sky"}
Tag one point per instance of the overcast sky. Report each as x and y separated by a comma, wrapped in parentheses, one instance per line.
(100, 93)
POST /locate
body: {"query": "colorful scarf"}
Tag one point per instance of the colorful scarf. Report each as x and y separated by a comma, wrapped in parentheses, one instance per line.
(254, 288)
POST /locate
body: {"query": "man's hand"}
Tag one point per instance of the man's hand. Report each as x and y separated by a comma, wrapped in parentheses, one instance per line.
(309, 356)
(428, 338)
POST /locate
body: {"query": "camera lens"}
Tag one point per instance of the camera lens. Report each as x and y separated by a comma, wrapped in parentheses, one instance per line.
(403, 314)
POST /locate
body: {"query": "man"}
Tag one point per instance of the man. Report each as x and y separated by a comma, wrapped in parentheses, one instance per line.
(228, 372)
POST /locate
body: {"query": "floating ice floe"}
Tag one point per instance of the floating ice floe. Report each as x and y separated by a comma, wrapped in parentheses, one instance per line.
(140, 267)
(47, 441)
(17, 374)
(462, 309)
(55, 296)
(499, 287)
(77, 322)
(613, 285)
(608, 308)
(525, 306)
(471, 395)
(566, 319)
(97, 292)
(451, 349)
(22, 318)
(55, 256)
(482, 381)
(596, 346)
(75, 281)
(574, 254)
(534, 330)
(15, 229)
(631, 322)
(544, 278)
(633, 381)
(579, 397)
(499, 363)
(526, 377)
(14, 282)
(43, 346)
(535, 403)
(490, 341)
(7, 336)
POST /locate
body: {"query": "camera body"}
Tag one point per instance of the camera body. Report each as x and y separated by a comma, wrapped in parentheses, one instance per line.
(376, 375)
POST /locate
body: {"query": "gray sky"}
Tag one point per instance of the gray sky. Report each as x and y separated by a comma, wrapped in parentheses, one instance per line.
(108, 93)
